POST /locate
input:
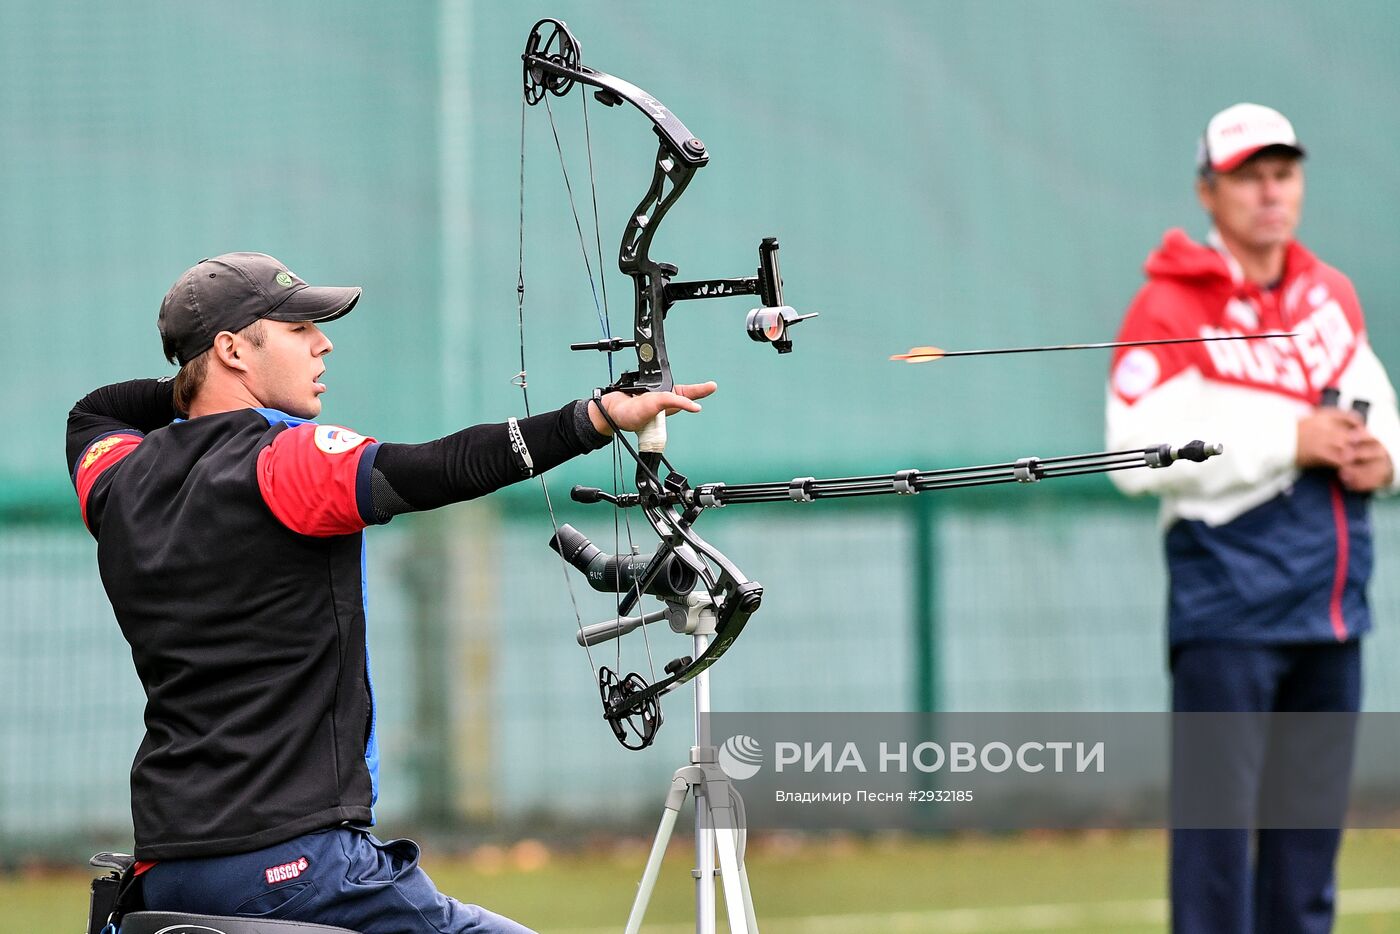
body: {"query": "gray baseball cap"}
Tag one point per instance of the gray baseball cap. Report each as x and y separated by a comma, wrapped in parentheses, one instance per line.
(230, 292)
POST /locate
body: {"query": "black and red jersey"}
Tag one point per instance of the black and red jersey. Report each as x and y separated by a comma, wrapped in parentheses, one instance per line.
(230, 546)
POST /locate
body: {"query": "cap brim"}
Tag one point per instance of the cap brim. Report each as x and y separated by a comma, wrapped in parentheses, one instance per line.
(1243, 156)
(317, 303)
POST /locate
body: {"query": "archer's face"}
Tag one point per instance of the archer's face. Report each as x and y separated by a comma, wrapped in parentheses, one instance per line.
(1258, 205)
(286, 371)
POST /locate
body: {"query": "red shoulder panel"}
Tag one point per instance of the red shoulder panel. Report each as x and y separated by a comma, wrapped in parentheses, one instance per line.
(307, 476)
(101, 455)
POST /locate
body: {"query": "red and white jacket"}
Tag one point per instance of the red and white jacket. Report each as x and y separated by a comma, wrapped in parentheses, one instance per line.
(1249, 395)
(1257, 550)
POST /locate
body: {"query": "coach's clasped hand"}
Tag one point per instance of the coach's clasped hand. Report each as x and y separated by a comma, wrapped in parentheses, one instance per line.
(1339, 439)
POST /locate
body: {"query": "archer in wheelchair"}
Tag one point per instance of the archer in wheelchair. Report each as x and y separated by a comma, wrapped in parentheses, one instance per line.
(230, 540)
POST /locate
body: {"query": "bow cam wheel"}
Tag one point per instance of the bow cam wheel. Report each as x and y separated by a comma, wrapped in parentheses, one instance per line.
(637, 729)
(552, 42)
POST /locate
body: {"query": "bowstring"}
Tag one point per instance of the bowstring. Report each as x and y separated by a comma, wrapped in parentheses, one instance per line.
(522, 381)
(603, 322)
(605, 326)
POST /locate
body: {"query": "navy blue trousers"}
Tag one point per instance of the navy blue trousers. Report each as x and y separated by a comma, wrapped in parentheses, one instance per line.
(342, 876)
(1286, 885)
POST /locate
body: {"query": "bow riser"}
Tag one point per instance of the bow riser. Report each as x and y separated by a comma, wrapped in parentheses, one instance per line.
(651, 279)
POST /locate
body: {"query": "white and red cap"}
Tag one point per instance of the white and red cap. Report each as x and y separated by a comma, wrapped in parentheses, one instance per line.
(1238, 132)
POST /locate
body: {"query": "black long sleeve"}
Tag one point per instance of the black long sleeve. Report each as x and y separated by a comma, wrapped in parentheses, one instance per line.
(475, 461)
(140, 404)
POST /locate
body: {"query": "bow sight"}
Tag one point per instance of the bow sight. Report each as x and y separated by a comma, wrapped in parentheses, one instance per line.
(770, 323)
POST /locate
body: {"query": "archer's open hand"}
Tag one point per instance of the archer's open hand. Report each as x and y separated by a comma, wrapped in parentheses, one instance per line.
(631, 412)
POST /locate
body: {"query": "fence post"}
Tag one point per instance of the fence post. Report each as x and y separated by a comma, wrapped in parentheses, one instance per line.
(426, 571)
(925, 617)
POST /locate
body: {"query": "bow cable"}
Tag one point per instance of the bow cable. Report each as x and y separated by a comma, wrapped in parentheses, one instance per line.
(605, 326)
(618, 481)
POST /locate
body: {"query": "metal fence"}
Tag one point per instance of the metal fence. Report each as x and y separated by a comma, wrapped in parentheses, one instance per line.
(488, 716)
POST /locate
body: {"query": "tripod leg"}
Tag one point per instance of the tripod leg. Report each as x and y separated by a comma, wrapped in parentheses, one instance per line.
(674, 799)
(724, 820)
(737, 802)
(748, 898)
(704, 863)
(736, 899)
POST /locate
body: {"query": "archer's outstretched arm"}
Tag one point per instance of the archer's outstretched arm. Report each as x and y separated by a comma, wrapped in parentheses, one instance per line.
(477, 460)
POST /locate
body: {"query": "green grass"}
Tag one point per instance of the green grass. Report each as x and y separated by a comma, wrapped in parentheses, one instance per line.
(1100, 882)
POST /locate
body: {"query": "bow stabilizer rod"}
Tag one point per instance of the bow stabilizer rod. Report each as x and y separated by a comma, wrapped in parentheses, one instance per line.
(908, 482)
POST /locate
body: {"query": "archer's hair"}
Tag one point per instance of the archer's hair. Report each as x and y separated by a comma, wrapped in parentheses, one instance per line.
(191, 376)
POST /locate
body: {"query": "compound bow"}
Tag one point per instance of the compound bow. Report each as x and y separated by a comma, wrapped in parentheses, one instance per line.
(693, 577)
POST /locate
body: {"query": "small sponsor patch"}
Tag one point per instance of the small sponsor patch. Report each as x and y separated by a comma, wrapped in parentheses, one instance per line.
(334, 440)
(1318, 294)
(1136, 373)
(276, 874)
(100, 448)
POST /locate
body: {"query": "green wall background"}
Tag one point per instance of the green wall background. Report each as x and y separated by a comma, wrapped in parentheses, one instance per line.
(964, 174)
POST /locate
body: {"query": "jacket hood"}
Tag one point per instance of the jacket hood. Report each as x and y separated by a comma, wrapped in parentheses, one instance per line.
(1180, 257)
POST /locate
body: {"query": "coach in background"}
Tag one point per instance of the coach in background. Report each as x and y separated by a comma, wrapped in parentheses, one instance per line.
(230, 544)
(1269, 547)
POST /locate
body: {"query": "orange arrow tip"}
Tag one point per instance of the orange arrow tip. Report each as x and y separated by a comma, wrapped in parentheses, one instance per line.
(920, 355)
